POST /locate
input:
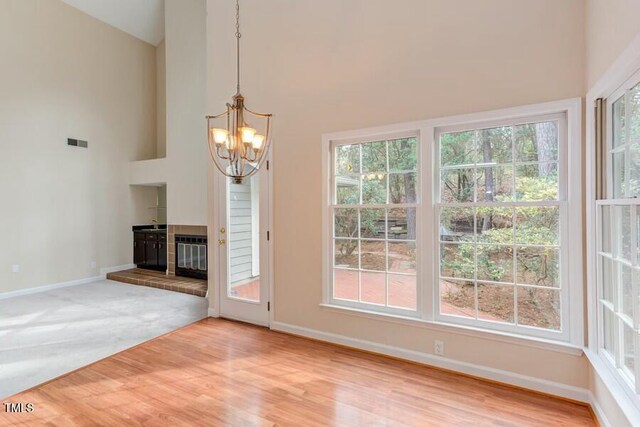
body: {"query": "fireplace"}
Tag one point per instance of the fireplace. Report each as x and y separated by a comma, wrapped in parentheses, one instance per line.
(191, 256)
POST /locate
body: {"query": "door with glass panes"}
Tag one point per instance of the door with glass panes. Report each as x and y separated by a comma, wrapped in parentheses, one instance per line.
(244, 248)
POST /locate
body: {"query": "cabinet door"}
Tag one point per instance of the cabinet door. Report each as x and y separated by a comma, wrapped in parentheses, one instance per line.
(139, 252)
(152, 253)
(162, 254)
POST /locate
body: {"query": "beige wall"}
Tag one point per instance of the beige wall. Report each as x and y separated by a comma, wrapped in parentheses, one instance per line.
(161, 101)
(336, 65)
(187, 153)
(64, 74)
(610, 26)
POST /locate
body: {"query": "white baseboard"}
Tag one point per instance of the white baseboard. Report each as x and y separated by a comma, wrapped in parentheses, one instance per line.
(519, 380)
(597, 410)
(212, 312)
(45, 288)
(37, 289)
(107, 270)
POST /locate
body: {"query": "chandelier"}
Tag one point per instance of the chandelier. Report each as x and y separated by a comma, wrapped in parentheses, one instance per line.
(237, 148)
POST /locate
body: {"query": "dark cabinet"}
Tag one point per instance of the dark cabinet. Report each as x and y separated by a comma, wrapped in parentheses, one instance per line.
(139, 244)
(162, 252)
(152, 254)
(150, 250)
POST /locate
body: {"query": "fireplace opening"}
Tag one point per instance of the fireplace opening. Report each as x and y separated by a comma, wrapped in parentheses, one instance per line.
(191, 256)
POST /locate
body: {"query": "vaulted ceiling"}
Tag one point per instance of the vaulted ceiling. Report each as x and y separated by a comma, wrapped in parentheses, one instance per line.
(143, 19)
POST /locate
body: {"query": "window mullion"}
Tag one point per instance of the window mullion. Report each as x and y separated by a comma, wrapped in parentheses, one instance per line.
(476, 146)
(634, 295)
(627, 145)
(617, 292)
(513, 231)
(428, 171)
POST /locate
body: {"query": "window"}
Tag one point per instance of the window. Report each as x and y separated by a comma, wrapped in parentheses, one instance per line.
(461, 220)
(374, 218)
(618, 240)
(500, 208)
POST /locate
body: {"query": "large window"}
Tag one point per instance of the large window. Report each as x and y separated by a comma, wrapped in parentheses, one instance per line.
(501, 213)
(374, 217)
(461, 220)
(618, 240)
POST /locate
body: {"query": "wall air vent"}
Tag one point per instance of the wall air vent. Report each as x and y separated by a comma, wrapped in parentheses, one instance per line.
(77, 143)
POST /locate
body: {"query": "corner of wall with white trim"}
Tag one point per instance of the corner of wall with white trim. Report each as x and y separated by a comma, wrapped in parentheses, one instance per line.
(611, 25)
(612, 56)
(68, 75)
(350, 65)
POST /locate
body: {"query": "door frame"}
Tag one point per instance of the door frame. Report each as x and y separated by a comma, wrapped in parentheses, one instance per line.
(216, 182)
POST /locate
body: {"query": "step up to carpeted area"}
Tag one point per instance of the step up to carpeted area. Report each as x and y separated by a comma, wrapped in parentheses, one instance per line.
(156, 279)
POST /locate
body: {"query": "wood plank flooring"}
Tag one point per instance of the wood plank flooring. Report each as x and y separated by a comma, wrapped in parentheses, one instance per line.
(217, 372)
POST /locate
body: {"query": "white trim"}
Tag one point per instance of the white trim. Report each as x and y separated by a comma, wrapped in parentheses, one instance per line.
(619, 72)
(264, 323)
(627, 64)
(218, 218)
(107, 270)
(255, 225)
(620, 393)
(499, 375)
(572, 171)
(329, 228)
(45, 288)
(470, 331)
(270, 242)
(569, 203)
(598, 411)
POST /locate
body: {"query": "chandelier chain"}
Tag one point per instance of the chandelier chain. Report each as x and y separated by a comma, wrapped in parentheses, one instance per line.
(238, 36)
(238, 150)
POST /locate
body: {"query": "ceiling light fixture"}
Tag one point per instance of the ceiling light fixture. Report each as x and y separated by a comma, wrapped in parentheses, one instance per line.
(238, 150)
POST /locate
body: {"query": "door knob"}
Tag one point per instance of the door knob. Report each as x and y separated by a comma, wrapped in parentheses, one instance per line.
(223, 230)
(221, 242)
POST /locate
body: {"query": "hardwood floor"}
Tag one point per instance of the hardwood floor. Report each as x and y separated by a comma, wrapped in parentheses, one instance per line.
(217, 372)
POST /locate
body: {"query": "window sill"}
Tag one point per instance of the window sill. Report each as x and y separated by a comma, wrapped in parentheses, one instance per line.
(543, 344)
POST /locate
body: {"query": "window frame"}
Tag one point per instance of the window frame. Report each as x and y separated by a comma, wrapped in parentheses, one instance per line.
(333, 205)
(427, 263)
(614, 362)
(561, 203)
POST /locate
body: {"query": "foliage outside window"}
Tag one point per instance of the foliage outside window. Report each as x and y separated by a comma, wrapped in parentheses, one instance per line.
(374, 217)
(499, 211)
(618, 242)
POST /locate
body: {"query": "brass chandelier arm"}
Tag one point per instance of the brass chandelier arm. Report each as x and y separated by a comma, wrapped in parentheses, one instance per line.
(215, 162)
(222, 156)
(258, 114)
(251, 155)
(217, 116)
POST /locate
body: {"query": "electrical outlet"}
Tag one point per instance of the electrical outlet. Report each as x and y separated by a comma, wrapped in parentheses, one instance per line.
(439, 347)
(93, 264)
(15, 268)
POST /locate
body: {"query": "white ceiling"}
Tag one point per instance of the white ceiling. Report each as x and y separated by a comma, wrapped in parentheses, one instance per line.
(143, 19)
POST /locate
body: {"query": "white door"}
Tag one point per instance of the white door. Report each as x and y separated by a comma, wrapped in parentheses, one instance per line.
(244, 249)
